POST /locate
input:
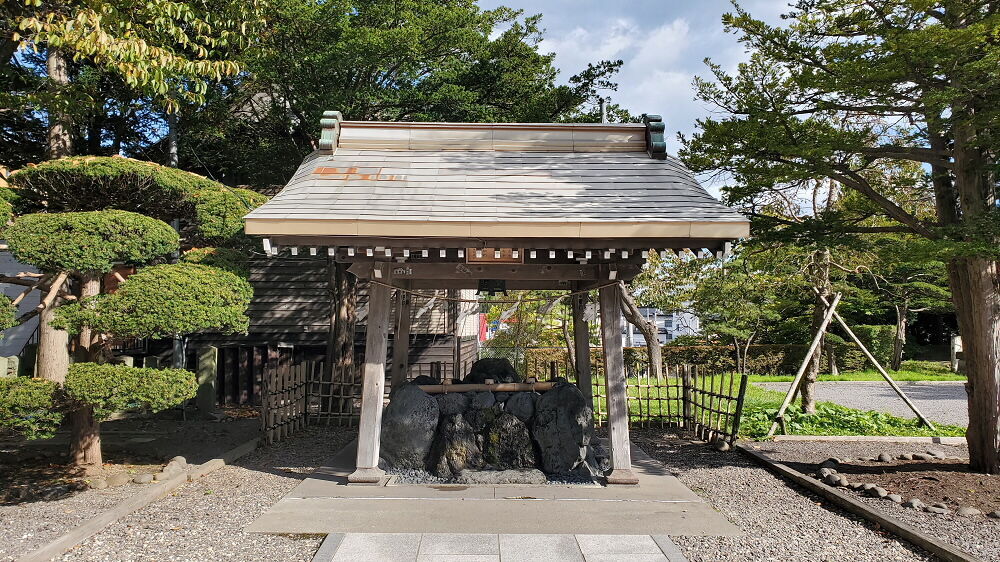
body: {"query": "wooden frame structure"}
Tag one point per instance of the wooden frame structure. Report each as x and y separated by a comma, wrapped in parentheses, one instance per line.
(417, 206)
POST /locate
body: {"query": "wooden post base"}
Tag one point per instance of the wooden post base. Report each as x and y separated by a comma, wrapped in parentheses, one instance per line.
(622, 476)
(366, 476)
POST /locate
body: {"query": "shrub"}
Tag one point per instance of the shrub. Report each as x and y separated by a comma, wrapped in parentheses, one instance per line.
(233, 261)
(29, 407)
(116, 388)
(8, 313)
(165, 300)
(93, 183)
(6, 212)
(219, 214)
(878, 339)
(89, 241)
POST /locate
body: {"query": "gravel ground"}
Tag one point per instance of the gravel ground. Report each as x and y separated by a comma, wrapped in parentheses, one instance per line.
(944, 402)
(204, 520)
(779, 522)
(977, 535)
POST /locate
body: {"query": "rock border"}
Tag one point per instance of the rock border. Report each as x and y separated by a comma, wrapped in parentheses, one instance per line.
(84, 531)
(874, 438)
(939, 548)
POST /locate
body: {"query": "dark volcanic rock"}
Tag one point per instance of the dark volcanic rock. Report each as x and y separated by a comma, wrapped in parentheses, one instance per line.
(522, 405)
(563, 427)
(453, 403)
(496, 368)
(480, 418)
(408, 425)
(424, 379)
(454, 449)
(480, 400)
(507, 444)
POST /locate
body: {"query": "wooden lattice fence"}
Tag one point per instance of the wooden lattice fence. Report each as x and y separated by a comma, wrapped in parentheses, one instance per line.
(283, 392)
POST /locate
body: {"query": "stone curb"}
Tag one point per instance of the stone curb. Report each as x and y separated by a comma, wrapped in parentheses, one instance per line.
(936, 547)
(145, 497)
(873, 438)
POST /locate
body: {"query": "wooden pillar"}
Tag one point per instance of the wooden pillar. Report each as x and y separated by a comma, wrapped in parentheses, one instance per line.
(581, 344)
(373, 389)
(208, 368)
(401, 336)
(614, 377)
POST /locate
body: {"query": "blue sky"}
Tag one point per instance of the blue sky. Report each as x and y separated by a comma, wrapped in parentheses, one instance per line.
(663, 45)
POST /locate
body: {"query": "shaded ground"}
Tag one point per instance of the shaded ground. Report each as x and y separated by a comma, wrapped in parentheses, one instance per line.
(943, 402)
(946, 481)
(779, 522)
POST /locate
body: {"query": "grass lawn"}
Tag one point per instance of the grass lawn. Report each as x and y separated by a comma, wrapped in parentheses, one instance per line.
(760, 405)
(911, 371)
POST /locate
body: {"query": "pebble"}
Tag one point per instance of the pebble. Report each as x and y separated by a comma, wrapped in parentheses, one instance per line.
(884, 457)
(966, 511)
(721, 445)
(877, 492)
(119, 479)
(906, 457)
(895, 498)
(936, 454)
(824, 472)
(161, 476)
(923, 457)
(831, 479)
(144, 478)
(994, 514)
(940, 504)
(938, 510)
(842, 481)
(867, 486)
(914, 503)
(98, 483)
(829, 463)
(178, 460)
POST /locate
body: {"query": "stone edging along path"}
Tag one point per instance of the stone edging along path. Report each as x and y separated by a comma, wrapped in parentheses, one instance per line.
(873, 438)
(936, 547)
(143, 498)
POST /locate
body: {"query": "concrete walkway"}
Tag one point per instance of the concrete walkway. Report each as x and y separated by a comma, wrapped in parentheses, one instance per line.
(427, 547)
(943, 401)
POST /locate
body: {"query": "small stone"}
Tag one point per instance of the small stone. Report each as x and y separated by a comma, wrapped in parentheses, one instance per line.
(829, 463)
(940, 504)
(824, 472)
(831, 479)
(854, 485)
(994, 514)
(923, 457)
(938, 510)
(966, 511)
(482, 400)
(867, 486)
(161, 476)
(178, 460)
(895, 498)
(842, 481)
(98, 483)
(721, 445)
(144, 478)
(877, 492)
(884, 457)
(119, 479)
(905, 457)
(936, 453)
(914, 503)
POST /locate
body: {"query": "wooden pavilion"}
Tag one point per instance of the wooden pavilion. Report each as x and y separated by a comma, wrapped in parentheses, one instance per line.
(498, 206)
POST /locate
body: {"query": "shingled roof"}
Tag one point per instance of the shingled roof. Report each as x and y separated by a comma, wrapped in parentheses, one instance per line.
(494, 180)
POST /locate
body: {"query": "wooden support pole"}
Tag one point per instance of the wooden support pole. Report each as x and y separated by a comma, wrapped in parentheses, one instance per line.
(581, 344)
(614, 380)
(208, 369)
(779, 418)
(494, 387)
(878, 367)
(373, 389)
(401, 336)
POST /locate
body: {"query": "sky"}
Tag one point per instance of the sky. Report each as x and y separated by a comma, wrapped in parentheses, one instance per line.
(663, 44)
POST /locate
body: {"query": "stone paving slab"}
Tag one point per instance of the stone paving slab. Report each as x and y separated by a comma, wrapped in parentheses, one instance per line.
(451, 547)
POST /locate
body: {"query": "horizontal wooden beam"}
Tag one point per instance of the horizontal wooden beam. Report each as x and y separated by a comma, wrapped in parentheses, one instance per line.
(418, 243)
(519, 272)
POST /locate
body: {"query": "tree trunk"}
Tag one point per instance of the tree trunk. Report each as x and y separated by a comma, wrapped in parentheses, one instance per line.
(90, 286)
(85, 440)
(60, 123)
(649, 333)
(53, 348)
(899, 340)
(570, 346)
(340, 350)
(820, 273)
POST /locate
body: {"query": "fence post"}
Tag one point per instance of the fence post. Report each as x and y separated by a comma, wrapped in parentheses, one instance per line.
(687, 420)
(208, 370)
(739, 408)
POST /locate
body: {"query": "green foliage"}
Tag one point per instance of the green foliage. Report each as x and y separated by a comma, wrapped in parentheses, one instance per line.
(878, 340)
(116, 388)
(93, 183)
(6, 212)
(233, 261)
(89, 241)
(8, 313)
(166, 300)
(219, 214)
(833, 419)
(29, 407)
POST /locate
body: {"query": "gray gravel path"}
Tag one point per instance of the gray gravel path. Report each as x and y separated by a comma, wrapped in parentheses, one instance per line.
(780, 523)
(943, 402)
(977, 535)
(204, 520)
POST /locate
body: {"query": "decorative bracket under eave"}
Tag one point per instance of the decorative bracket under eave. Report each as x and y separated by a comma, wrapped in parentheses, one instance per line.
(330, 124)
(656, 146)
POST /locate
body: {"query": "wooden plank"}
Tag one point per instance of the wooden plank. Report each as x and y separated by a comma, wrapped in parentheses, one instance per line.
(370, 424)
(401, 336)
(522, 272)
(614, 380)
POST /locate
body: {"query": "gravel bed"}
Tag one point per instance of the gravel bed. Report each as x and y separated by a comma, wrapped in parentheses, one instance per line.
(205, 520)
(943, 402)
(978, 535)
(423, 477)
(780, 523)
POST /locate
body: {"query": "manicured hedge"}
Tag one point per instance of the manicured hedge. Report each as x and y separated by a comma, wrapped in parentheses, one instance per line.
(29, 407)
(878, 339)
(233, 261)
(89, 241)
(219, 214)
(117, 388)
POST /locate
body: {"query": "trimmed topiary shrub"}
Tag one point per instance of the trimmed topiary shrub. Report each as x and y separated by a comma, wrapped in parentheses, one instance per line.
(89, 241)
(8, 313)
(6, 213)
(117, 388)
(29, 407)
(165, 300)
(92, 183)
(233, 261)
(219, 214)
